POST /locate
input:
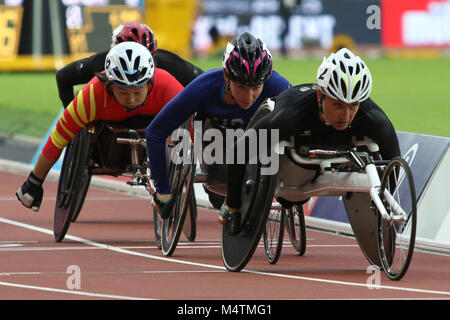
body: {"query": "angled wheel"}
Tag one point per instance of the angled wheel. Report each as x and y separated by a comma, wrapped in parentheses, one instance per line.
(296, 229)
(273, 233)
(190, 224)
(257, 195)
(396, 238)
(157, 221)
(85, 181)
(157, 228)
(74, 168)
(182, 183)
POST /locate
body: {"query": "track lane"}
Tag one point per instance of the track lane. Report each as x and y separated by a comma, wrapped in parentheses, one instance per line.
(112, 245)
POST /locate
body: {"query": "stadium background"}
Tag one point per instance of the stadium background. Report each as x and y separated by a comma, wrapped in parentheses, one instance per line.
(63, 29)
(405, 43)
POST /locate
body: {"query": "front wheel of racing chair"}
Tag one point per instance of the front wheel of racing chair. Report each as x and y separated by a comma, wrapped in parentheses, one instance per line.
(73, 183)
(296, 228)
(273, 233)
(396, 237)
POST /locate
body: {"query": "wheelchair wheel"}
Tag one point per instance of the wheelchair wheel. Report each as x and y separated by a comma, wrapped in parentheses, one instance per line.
(68, 198)
(190, 224)
(396, 237)
(182, 183)
(157, 228)
(296, 229)
(258, 191)
(82, 192)
(273, 233)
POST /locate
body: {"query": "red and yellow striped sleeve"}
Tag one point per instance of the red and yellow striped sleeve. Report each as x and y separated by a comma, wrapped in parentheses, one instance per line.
(82, 110)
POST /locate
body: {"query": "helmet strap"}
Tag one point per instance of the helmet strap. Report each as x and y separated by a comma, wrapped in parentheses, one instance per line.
(228, 89)
(322, 97)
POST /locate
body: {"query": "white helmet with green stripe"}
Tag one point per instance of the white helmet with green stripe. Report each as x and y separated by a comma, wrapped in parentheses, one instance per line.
(345, 77)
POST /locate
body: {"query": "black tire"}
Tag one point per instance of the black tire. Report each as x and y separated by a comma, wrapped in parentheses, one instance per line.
(182, 183)
(257, 195)
(157, 221)
(74, 165)
(190, 224)
(273, 233)
(157, 228)
(396, 238)
(258, 191)
(296, 228)
(82, 192)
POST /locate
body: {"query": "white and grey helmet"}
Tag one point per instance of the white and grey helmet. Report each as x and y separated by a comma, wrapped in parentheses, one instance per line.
(344, 76)
(129, 64)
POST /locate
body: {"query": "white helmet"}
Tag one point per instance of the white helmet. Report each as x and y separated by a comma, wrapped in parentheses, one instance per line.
(129, 64)
(345, 77)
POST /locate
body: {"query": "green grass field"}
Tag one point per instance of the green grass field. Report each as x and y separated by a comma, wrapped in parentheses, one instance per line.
(412, 92)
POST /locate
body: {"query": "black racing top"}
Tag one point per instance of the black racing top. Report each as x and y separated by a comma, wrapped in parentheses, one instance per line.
(296, 113)
(83, 70)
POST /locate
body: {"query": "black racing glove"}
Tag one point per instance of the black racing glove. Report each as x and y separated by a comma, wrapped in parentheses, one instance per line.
(31, 192)
(164, 205)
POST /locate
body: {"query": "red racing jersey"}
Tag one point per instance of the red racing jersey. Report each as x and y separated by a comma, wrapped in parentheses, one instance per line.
(94, 102)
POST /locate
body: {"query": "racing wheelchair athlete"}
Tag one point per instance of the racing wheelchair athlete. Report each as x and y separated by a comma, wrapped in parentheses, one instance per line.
(319, 126)
(226, 98)
(130, 92)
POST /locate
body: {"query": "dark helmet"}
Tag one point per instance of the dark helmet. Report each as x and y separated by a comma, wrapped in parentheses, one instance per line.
(137, 32)
(247, 61)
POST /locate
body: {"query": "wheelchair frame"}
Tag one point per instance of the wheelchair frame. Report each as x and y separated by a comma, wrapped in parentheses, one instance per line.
(79, 165)
(367, 197)
(360, 176)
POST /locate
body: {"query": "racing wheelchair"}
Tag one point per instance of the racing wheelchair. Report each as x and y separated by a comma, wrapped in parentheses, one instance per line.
(278, 221)
(213, 178)
(118, 149)
(378, 195)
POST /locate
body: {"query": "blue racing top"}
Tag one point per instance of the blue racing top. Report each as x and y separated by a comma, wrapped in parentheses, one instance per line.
(205, 96)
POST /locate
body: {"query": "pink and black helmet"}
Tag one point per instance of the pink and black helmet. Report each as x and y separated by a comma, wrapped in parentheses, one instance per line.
(247, 61)
(136, 32)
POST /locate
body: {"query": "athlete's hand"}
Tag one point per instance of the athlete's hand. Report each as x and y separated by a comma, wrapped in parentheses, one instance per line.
(30, 194)
(163, 203)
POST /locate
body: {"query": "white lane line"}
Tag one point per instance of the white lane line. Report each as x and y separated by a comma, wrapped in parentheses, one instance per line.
(351, 283)
(10, 245)
(34, 273)
(80, 293)
(19, 241)
(105, 246)
(19, 247)
(15, 249)
(173, 260)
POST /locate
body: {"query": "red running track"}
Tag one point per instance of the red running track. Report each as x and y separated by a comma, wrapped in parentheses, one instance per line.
(110, 254)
